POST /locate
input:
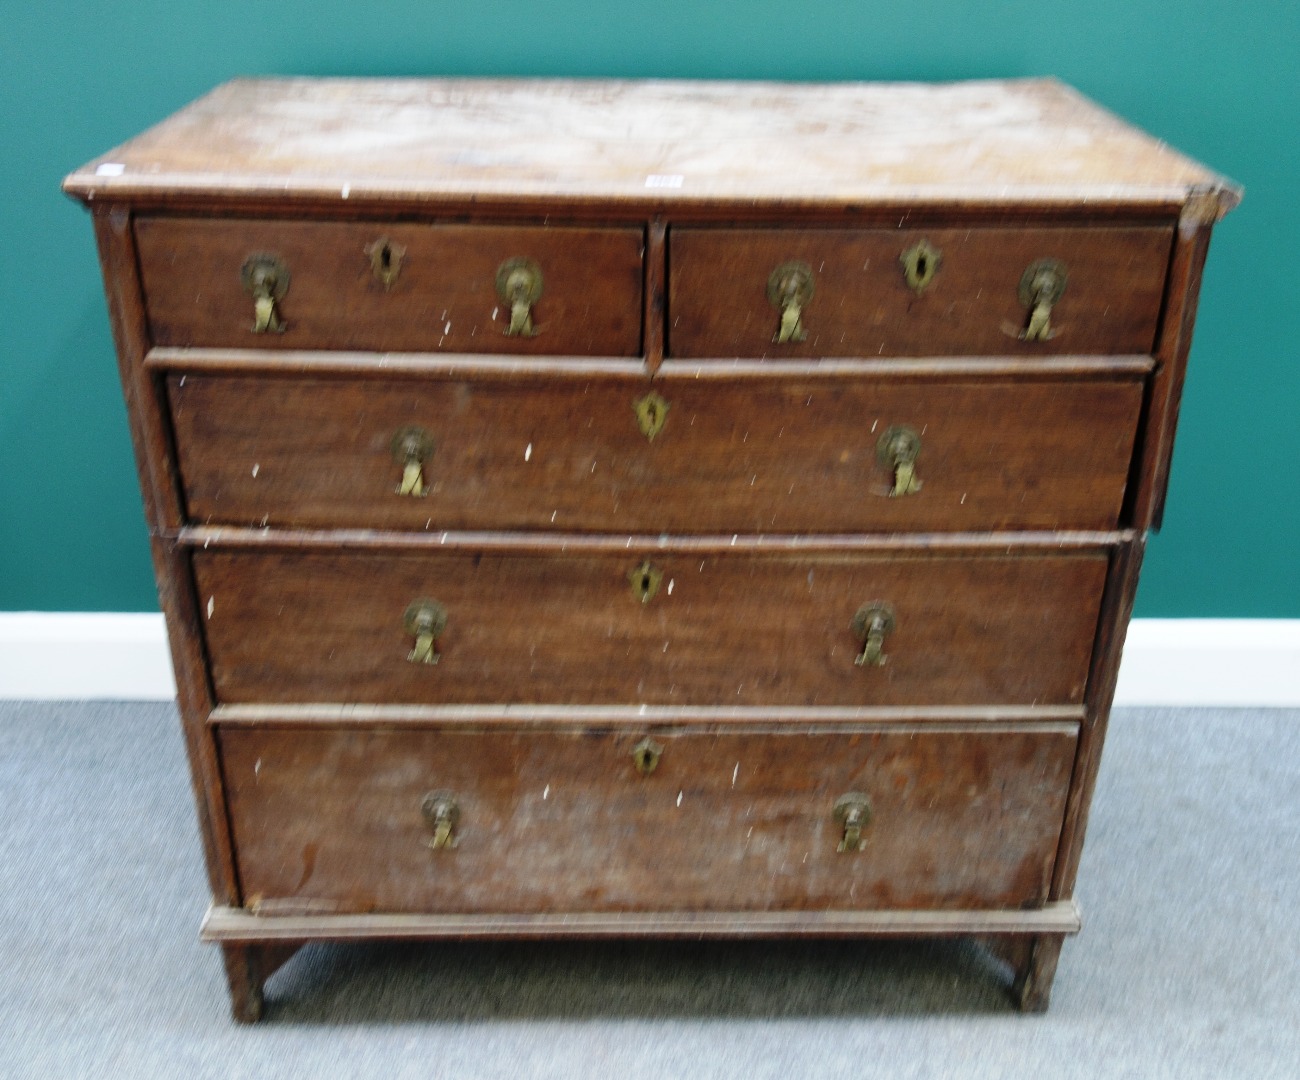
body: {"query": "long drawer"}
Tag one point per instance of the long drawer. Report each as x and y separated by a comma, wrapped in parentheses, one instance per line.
(365, 820)
(671, 627)
(975, 293)
(444, 288)
(760, 454)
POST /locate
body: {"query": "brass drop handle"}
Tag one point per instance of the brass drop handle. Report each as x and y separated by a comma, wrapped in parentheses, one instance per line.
(519, 284)
(789, 289)
(425, 620)
(385, 260)
(871, 625)
(646, 755)
(266, 277)
(897, 449)
(1041, 286)
(411, 448)
(853, 813)
(441, 813)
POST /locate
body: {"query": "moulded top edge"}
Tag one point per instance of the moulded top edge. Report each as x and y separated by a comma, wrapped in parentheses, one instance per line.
(653, 143)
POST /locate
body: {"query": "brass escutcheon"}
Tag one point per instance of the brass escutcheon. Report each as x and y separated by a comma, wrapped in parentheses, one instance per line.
(898, 449)
(651, 414)
(871, 625)
(425, 620)
(441, 813)
(266, 278)
(645, 580)
(385, 260)
(920, 263)
(1041, 286)
(411, 448)
(853, 813)
(519, 284)
(646, 755)
(789, 289)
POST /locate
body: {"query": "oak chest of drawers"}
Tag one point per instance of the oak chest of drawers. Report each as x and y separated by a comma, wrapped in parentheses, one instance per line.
(647, 508)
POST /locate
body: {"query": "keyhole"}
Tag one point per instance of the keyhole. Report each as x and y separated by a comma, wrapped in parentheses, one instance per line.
(645, 584)
(386, 258)
(920, 266)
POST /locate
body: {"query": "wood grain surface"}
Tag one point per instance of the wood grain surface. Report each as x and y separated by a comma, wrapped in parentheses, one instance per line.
(863, 306)
(232, 925)
(550, 143)
(330, 821)
(444, 298)
(723, 629)
(552, 451)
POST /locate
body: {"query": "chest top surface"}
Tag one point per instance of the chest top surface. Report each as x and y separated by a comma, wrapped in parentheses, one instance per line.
(984, 144)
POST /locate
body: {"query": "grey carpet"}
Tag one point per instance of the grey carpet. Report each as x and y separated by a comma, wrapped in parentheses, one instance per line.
(1188, 966)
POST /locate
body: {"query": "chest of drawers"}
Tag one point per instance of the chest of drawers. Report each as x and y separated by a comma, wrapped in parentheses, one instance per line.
(587, 509)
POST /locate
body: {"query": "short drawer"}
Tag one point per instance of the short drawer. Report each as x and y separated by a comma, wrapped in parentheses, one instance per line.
(438, 288)
(344, 820)
(728, 289)
(669, 627)
(759, 454)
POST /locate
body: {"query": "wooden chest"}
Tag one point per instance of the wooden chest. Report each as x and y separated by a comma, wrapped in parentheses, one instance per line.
(595, 508)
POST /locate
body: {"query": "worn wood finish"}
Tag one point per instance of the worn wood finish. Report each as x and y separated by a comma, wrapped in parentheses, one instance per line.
(1160, 419)
(727, 630)
(862, 305)
(1117, 610)
(225, 924)
(444, 298)
(566, 821)
(248, 966)
(372, 365)
(656, 292)
(706, 718)
(1033, 985)
(657, 211)
(159, 487)
(561, 543)
(760, 454)
(1013, 145)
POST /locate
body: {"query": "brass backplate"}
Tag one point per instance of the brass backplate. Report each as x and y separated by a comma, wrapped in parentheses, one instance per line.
(425, 617)
(1043, 282)
(519, 280)
(440, 806)
(790, 283)
(897, 446)
(852, 802)
(265, 275)
(651, 413)
(869, 613)
(411, 444)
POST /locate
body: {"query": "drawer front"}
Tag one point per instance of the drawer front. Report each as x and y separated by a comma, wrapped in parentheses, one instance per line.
(862, 305)
(444, 297)
(716, 629)
(761, 454)
(334, 820)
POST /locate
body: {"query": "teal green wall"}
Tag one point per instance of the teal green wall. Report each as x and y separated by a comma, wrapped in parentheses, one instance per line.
(1219, 80)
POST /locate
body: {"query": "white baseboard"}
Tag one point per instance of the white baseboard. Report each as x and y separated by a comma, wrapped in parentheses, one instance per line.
(124, 657)
(1246, 662)
(78, 656)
